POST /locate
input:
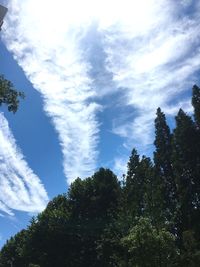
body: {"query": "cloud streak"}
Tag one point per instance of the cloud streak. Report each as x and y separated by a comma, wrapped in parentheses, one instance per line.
(20, 188)
(49, 54)
(153, 61)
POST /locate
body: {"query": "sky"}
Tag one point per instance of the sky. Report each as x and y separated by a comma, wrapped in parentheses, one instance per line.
(94, 73)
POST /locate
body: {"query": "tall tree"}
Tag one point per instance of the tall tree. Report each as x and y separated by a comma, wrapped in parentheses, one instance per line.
(184, 161)
(94, 204)
(139, 187)
(163, 164)
(134, 185)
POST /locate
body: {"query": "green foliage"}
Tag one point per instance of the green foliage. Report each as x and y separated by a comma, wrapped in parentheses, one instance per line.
(94, 203)
(191, 250)
(184, 161)
(196, 103)
(163, 167)
(8, 95)
(151, 219)
(13, 251)
(138, 185)
(148, 246)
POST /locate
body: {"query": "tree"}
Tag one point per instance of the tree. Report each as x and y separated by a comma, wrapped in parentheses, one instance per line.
(163, 164)
(9, 95)
(184, 161)
(134, 185)
(148, 246)
(94, 205)
(190, 255)
(13, 251)
(141, 189)
(50, 236)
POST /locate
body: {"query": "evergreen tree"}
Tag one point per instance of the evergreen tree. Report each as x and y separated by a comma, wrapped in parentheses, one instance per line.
(95, 204)
(132, 166)
(134, 185)
(143, 195)
(184, 161)
(163, 164)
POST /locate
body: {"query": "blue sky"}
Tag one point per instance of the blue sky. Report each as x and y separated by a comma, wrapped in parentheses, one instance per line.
(93, 73)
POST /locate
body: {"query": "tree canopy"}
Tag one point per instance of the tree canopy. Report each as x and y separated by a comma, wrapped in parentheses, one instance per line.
(150, 219)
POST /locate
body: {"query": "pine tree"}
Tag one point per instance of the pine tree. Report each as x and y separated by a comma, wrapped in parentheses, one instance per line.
(134, 185)
(132, 166)
(140, 186)
(184, 161)
(163, 164)
(150, 192)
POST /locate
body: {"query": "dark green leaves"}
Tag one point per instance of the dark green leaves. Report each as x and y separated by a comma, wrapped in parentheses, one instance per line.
(150, 220)
(8, 95)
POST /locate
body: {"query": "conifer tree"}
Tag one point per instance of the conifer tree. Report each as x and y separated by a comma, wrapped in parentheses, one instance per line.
(140, 189)
(184, 161)
(149, 193)
(132, 165)
(163, 164)
(134, 185)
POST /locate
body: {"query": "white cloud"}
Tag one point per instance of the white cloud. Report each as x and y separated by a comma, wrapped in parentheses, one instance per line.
(153, 67)
(5, 209)
(120, 166)
(20, 188)
(49, 54)
(151, 51)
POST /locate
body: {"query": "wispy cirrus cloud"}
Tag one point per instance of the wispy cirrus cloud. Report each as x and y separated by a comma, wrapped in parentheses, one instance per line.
(20, 188)
(148, 51)
(50, 55)
(154, 61)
